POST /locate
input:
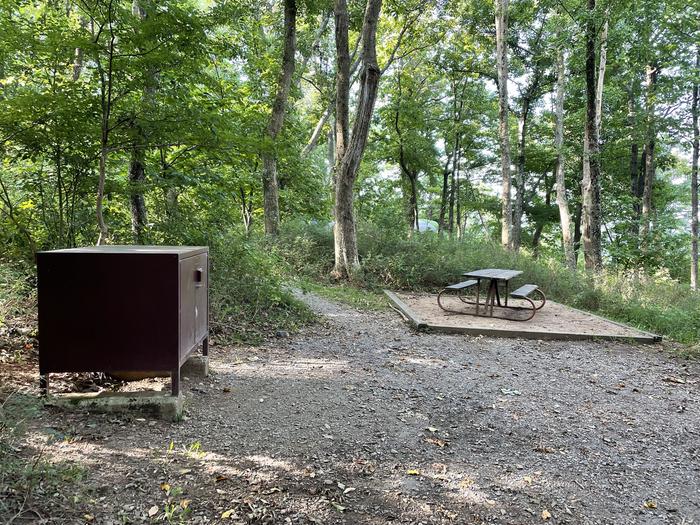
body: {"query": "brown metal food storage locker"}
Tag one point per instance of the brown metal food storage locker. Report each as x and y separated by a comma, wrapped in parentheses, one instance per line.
(122, 308)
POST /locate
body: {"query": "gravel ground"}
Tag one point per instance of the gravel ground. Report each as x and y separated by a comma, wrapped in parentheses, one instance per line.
(360, 420)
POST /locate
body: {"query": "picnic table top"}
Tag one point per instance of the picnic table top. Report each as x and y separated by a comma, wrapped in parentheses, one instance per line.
(493, 273)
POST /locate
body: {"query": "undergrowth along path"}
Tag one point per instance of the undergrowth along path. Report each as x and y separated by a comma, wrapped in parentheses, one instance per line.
(358, 419)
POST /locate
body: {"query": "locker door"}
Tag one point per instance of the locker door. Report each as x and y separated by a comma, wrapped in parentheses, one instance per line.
(201, 309)
(187, 304)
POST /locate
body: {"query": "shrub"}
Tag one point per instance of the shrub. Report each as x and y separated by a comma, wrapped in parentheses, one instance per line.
(247, 297)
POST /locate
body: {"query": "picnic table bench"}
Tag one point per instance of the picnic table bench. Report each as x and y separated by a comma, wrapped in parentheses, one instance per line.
(495, 276)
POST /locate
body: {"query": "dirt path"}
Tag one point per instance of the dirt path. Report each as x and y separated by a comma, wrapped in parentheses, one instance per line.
(360, 420)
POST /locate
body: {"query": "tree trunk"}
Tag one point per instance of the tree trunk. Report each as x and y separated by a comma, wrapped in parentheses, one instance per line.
(137, 163)
(577, 230)
(106, 85)
(601, 76)
(548, 184)
(458, 206)
(530, 94)
(101, 224)
(503, 134)
(246, 209)
(410, 185)
(78, 54)
(590, 185)
(349, 153)
(330, 153)
(649, 164)
(520, 174)
(269, 179)
(451, 211)
(413, 201)
(635, 184)
(409, 176)
(562, 201)
(444, 193)
(316, 134)
(694, 179)
(634, 180)
(137, 175)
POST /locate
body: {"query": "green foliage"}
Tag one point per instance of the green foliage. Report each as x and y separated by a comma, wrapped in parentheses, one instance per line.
(247, 296)
(17, 292)
(248, 299)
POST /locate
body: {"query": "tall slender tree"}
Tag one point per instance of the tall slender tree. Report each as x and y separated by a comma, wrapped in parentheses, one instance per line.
(590, 184)
(270, 183)
(349, 148)
(106, 82)
(503, 129)
(652, 71)
(562, 201)
(137, 163)
(528, 97)
(694, 176)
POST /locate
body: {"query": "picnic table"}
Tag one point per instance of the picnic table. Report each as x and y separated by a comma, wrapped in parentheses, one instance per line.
(496, 278)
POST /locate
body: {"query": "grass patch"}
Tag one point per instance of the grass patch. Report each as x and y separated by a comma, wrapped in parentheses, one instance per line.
(361, 298)
(29, 482)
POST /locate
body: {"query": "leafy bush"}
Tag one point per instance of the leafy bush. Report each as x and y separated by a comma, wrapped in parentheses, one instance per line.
(17, 293)
(247, 296)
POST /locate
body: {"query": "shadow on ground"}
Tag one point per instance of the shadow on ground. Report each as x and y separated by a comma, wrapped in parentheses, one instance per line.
(359, 420)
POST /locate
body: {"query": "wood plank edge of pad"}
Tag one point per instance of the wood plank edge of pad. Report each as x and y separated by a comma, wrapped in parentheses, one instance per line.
(413, 319)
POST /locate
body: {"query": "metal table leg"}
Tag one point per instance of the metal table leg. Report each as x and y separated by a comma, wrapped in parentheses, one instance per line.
(493, 294)
(478, 289)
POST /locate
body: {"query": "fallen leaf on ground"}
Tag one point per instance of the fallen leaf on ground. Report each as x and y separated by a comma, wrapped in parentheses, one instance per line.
(431, 429)
(546, 515)
(185, 503)
(510, 392)
(650, 504)
(412, 472)
(543, 449)
(338, 506)
(153, 510)
(466, 483)
(437, 441)
(88, 517)
(676, 380)
(165, 487)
